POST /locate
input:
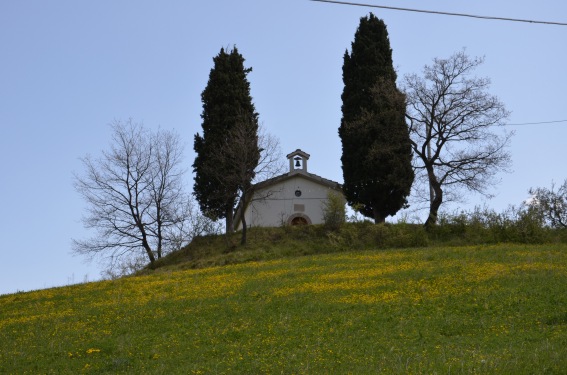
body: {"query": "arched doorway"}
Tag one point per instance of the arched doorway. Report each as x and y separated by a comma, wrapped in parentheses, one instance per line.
(299, 221)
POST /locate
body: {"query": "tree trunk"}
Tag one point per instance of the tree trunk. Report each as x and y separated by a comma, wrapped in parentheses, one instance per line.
(378, 217)
(149, 252)
(437, 199)
(243, 238)
(229, 221)
(159, 233)
(146, 244)
(243, 218)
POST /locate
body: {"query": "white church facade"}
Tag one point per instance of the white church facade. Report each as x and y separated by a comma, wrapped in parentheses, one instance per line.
(293, 198)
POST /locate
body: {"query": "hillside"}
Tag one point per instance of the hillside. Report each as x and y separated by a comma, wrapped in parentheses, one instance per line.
(292, 241)
(441, 309)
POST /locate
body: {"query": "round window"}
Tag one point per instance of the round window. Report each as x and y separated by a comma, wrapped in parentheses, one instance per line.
(298, 193)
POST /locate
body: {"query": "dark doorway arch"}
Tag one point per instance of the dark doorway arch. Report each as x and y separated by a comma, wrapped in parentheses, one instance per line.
(299, 220)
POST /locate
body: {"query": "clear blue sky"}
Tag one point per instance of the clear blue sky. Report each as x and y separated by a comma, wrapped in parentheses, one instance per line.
(68, 68)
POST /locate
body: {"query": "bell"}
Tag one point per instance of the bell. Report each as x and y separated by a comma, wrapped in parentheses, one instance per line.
(297, 162)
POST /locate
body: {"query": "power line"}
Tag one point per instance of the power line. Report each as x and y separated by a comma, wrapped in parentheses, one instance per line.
(459, 15)
(441, 13)
(537, 123)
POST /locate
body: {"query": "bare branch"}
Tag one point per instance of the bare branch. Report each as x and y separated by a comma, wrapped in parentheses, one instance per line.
(552, 204)
(135, 198)
(452, 120)
(239, 150)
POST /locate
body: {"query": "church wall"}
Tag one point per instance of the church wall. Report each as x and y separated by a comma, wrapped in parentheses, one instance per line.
(274, 205)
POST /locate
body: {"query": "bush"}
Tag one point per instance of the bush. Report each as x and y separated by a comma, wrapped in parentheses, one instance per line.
(366, 235)
(334, 211)
(484, 225)
(551, 204)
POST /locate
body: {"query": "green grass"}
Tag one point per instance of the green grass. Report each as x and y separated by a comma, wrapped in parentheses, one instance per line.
(447, 310)
(289, 242)
(276, 243)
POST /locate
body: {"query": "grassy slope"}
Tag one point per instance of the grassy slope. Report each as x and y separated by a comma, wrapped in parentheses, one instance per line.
(475, 309)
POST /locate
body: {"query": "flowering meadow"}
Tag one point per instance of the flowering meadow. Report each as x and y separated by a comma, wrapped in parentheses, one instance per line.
(445, 310)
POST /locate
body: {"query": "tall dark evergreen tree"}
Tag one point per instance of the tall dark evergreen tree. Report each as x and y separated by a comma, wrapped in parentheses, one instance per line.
(377, 153)
(227, 110)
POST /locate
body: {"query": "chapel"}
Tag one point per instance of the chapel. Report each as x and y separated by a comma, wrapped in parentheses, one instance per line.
(293, 198)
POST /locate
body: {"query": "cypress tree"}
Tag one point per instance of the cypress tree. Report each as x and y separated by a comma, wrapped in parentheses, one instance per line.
(376, 157)
(227, 105)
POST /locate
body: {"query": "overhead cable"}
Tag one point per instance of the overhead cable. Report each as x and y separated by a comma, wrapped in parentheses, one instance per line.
(537, 123)
(442, 13)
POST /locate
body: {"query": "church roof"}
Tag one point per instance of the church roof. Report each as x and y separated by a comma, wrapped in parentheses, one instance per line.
(307, 175)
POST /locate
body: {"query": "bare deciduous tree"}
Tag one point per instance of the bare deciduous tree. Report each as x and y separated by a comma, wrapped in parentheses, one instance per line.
(134, 195)
(246, 168)
(552, 204)
(452, 120)
(269, 165)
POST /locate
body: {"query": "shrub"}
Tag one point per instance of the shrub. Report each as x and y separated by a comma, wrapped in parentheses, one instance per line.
(366, 235)
(551, 204)
(483, 225)
(334, 212)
